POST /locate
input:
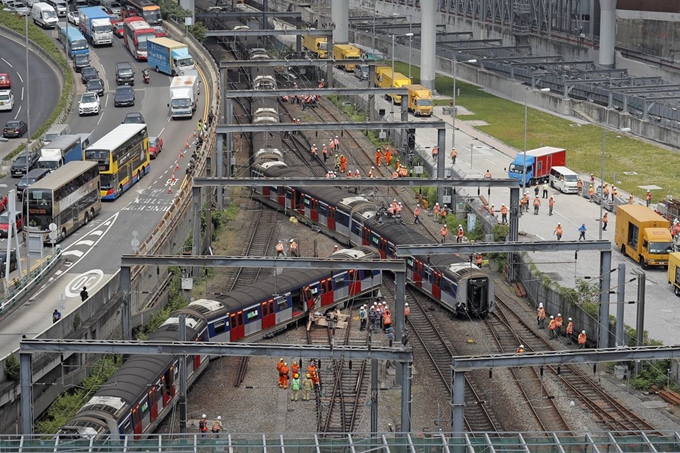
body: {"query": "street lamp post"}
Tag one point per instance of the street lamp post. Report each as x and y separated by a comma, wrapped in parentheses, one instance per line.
(28, 149)
(453, 112)
(601, 190)
(526, 109)
(410, 51)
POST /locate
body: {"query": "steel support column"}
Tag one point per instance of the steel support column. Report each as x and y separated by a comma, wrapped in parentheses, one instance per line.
(400, 324)
(126, 309)
(182, 402)
(607, 32)
(26, 385)
(458, 404)
(374, 395)
(620, 304)
(371, 97)
(640, 322)
(441, 163)
(513, 233)
(406, 397)
(230, 136)
(428, 40)
(196, 219)
(605, 284)
(340, 15)
(219, 167)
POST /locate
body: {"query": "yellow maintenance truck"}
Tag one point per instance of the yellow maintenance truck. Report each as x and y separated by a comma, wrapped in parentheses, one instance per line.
(316, 45)
(643, 235)
(419, 100)
(674, 272)
(398, 81)
(346, 52)
(379, 71)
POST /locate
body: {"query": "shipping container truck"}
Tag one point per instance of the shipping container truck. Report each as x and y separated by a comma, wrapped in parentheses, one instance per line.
(184, 91)
(316, 45)
(346, 52)
(674, 272)
(419, 100)
(95, 25)
(539, 163)
(643, 235)
(168, 56)
(398, 81)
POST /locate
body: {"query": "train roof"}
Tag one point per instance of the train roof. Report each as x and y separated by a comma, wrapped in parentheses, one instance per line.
(134, 377)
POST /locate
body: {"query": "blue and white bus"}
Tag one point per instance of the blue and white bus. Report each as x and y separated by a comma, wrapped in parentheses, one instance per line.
(73, 40)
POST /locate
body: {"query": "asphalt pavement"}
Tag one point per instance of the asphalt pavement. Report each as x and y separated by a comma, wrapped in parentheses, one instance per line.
(93, 252)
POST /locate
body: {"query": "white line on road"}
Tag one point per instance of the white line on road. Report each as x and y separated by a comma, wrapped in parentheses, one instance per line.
(9, 64)
(77, 253)
(97, 232)
(15, 116)
(85, 242)
(161, 132)
(22, 93)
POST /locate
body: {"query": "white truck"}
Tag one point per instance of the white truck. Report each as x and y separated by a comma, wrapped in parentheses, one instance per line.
(184, 91)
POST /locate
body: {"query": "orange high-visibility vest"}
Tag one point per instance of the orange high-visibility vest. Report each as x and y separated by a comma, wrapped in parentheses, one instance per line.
(581, 338)
(570, 328)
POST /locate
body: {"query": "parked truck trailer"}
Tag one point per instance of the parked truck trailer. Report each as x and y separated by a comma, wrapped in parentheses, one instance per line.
(643, 235)
(538, 165)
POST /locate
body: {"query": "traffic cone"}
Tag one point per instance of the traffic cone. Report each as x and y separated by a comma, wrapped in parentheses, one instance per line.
(176, 165)
(169, 188)
(195, 135)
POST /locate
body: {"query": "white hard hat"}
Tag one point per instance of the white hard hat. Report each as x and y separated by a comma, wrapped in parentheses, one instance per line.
(219, 417)
(569, 319)
(521, 346)
(460, 226)
(552, 317)
(541, 304)
(493, 205)
(314, 144)
(406, 304)
(203, 416)
(372, 168)
(583, 331)
(559, 314)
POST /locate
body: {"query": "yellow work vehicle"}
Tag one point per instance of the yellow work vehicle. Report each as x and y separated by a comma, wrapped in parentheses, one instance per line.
(346, 52)
(674, 272)
(316, 45)
(643, 235)
(419, 100)
(379, 71)
(398, 81)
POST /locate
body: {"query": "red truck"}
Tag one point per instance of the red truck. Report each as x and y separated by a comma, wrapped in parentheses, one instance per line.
(539, 163)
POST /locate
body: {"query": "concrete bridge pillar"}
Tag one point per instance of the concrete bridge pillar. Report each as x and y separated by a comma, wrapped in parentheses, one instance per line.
(340, 17)
(427, 43)
(607, 32)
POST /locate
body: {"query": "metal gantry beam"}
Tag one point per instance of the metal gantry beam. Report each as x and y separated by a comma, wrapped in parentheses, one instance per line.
(236, 64)
(258, 14)
(353, 126)
(502, 247)
(397, 265)
(325, 182)
(279, 32)
(398, 353)
(233, 94)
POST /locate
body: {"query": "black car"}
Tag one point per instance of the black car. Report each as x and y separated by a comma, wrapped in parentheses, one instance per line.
(96, 86)
(88, 73)
(12, 261)
(32, 176)
(125, 96)
(80, 61)
(134, 118)
(27, 159)
(14, 129)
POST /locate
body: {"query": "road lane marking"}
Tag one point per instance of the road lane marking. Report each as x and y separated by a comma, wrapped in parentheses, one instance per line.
(76, 253)
(15, 116)
(9, 64)
(89, 280)
(85, 242)
(22, 93)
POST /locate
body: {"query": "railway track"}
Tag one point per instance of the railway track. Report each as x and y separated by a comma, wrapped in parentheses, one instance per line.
(343, 382)
(614, 416)
(433, 345)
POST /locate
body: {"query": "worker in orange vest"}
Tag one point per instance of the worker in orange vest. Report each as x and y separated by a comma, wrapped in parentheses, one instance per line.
(630, 199)
(520, 349)
(569, 331)
(416, 213)
(387, 318)
(558, 231)
(407, 310)
(582, 339)
(370, 172)
(460, 235)
(313, 150)
(551, 328)
(551, 205)
(295, 368)
(279, 365)
(537, 205)
(311, 370)
(558, 324)
(435, 211)
(444, 231)
(487, 175)
(540, 316)
(293, 248)
(454, 155)
(435, 152)
(605, 220)
(343, 164)
(504, 214)
(591, 192)
(492, 210)
(648, 198)
(283, 376)
(443, 214)
(324, 151)
(579, 186)
(378, 157)
(479, 260)
(279, 249)
(388, 157)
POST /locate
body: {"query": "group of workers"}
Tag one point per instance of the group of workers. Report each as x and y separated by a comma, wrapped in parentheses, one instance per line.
(305, 100)
(293, 249)
(292, 374)
(555, 324)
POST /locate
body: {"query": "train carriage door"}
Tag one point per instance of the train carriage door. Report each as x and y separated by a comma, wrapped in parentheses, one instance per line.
(383, 248)
(365, 236)
(323, 213)
(281, 196)
(327, 295)
(298, 201)
(268, 314)
(331, 218)
(137, 421)
(436, 285)
(418, 274)
(314, 210)
(236, 320)
(354, 280)
(152, 403)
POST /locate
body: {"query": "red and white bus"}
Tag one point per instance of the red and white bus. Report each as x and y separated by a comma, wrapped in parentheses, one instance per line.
(136, 31)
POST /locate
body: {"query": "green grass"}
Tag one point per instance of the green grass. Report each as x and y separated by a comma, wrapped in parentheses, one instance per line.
(584, 144)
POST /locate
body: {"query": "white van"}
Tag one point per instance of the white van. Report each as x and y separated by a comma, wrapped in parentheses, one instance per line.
(44, 15)
(55, 131)
(564, 180)
(59, 6)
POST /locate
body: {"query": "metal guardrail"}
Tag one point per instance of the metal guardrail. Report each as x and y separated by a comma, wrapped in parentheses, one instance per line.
(45, 268)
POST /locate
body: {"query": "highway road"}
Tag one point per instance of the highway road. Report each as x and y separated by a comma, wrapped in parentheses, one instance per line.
(44, 89)
(94, 251)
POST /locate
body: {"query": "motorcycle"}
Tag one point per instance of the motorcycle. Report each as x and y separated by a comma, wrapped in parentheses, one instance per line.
(145, 76)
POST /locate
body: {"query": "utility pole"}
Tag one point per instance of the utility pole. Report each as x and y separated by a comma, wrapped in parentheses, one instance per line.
(640, 324)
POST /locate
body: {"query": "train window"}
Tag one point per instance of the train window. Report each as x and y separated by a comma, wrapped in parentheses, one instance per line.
(323, 209)
(220, 326)
(239, 318)
(375, 240)
(426, 274)
(339, 281)
(356, 227)
(393, 250)
(265, 309)
(271, 306)
(342, 218)
(327, 286)
(409, 262)
(436, 279)
(252, 314)
(145, 408)
(127, 427)
(282, 303)
(307, 201)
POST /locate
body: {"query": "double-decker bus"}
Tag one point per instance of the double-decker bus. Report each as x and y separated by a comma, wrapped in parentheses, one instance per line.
(136, 33)
(123, 158)
(69, 197)
(73, 40)
(143, 8)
